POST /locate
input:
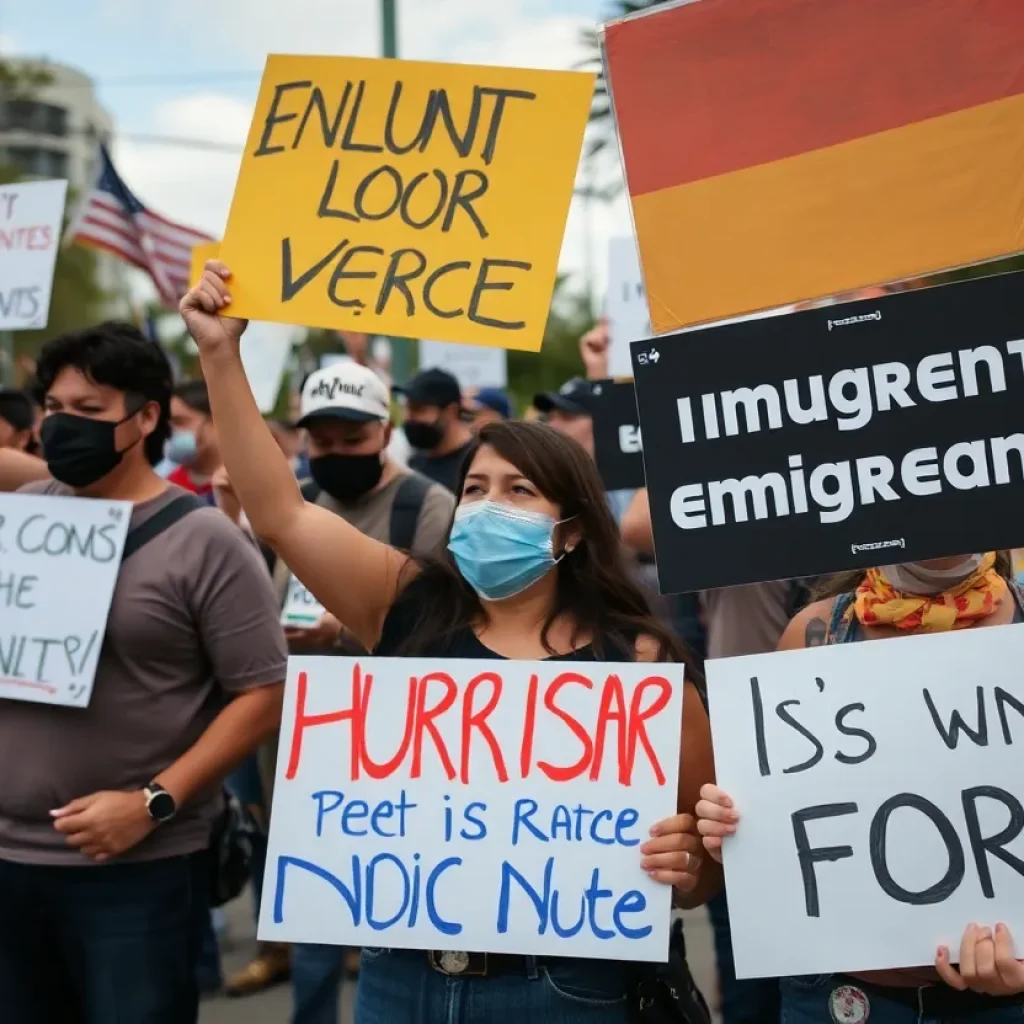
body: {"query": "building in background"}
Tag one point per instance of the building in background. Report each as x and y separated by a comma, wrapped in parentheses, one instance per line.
(54, 130)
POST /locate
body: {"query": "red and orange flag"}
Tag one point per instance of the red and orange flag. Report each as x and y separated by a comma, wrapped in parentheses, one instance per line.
(785, 150)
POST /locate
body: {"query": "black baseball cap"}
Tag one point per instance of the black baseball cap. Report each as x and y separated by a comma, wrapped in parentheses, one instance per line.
(431, 387)
(574, 397)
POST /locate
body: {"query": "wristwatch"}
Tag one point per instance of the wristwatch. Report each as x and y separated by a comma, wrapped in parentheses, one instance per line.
(159, 803)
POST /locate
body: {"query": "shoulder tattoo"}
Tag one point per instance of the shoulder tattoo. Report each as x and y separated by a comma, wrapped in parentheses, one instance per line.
(815, 633)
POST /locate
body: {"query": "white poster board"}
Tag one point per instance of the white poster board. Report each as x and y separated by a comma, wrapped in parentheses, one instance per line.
(59, 559)
(30, 228)
(265, 351)
(626, 305)
(443, 804)
(473, 366)
(301, 609)
(869, 778)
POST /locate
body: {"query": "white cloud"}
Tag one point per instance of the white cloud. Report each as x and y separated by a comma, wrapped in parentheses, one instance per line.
(9, 44)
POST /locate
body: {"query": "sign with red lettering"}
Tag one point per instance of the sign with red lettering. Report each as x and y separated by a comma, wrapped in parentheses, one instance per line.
(30, 221)
(493, 806)
(880, 799)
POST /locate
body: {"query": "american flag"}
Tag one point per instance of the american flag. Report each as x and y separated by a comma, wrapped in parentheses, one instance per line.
(112, 219)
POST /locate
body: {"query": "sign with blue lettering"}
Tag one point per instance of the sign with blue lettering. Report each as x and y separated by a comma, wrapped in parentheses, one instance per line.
(493, 806)
(880, 798)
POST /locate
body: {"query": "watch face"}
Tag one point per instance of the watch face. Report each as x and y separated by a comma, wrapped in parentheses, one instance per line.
(161, 806)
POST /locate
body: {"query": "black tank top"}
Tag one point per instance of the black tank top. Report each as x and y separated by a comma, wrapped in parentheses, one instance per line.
(403, 614)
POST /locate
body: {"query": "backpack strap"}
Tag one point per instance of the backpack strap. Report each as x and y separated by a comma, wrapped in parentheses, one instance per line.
(842, 626)
(160, 521)
(405, 512)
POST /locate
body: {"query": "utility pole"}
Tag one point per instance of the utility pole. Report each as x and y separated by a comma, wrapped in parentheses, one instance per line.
(401, 348)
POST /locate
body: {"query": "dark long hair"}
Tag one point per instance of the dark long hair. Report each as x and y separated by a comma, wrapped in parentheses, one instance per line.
(847, 582)
(595, 583)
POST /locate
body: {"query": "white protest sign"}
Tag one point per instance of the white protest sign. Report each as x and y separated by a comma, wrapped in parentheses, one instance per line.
(473, 366)
(879, 793)
(473, 805)
(301, 608)
(265, 351)
(59, 559)
(30, 223)
(625, 306)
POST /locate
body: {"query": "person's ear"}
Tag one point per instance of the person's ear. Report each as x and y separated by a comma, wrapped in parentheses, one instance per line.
(387, 437)
(148, 418)
(571, 536)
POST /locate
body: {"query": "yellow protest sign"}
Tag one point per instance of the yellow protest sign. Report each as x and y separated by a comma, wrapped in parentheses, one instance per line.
(200, 254)
(406, 198)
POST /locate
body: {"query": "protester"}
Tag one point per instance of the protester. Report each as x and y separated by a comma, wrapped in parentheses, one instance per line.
(433, 426)
(486, 405)
(567, 596)
(106, 812)
(893, 601)
(346, 413)
(193, 443)
(290, 440)
(17, 420)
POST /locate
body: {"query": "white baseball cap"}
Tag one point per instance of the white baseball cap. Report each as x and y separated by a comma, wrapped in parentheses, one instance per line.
(347, 391)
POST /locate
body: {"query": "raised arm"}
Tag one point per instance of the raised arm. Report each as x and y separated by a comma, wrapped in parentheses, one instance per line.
(353, 577)
(18, 469)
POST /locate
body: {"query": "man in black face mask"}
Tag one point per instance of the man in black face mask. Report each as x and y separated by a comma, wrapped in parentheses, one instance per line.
(346, 413)
(434, 426)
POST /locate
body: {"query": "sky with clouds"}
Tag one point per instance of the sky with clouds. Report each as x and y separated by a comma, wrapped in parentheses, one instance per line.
(190, 69)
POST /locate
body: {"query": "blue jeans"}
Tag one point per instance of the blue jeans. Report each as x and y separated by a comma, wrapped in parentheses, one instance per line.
(401, 985)
(834, 999)
(751, 1001)
(93, 945)
(316, 983)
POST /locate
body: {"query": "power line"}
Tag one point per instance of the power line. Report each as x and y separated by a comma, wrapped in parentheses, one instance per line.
(172, 140)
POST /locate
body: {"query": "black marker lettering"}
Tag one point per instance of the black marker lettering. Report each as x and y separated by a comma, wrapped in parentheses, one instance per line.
(951, 736)
(483, 285)
(433, 279)
(350, 128)
(341, 274)
(364, 187)
(759, 736)
(422, 133)
(500, 95)
(464, 199)
(954, 875)
(809, 855)
(324, 209)
(329, 131)
(1002, 700)
(273, 118)
(982, 846)
(819, 750)
(410, 190)
(848, 730)
(393, 279)
(442, 107)
(290, 287)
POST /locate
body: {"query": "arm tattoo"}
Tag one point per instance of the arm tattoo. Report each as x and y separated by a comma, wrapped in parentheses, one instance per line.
(815, 633)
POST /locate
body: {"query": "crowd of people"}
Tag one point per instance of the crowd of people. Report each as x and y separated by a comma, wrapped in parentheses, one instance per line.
(423, 522)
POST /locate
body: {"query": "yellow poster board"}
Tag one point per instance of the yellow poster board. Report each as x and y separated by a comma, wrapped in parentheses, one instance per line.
(200, 254)
(406, 198)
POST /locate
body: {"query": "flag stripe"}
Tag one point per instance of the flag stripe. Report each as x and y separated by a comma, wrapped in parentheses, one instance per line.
(716, 86)
(916, 200)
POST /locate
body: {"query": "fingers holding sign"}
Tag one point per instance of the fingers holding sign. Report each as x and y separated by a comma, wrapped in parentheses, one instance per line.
(672, 855)
(201, 308)
(987, 963)
(716, 819)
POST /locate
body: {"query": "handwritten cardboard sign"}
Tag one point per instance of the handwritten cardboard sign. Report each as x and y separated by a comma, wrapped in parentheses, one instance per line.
(406, 198)
(880, 796)
(59, 559)
(472, 805)
(30, 221)
(265, 347)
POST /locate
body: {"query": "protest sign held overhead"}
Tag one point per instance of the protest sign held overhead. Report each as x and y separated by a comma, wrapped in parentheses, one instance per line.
(471, 365)
(30, 225)
(879, 790)
(265, 347)
(59, 559)
(618, 451)
(498, 806)
(871, 432)
(625, 306)
(406, 198)
(872, 141)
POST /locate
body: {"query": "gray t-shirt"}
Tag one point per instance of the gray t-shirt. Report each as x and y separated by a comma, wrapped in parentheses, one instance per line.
(746, 620)
(194, 620)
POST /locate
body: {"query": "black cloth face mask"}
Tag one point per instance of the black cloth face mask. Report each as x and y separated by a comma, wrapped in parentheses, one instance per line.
(346, 477)
(80, 450)
(423, 436)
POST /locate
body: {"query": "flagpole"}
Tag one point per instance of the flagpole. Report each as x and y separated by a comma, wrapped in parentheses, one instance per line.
(401, 348)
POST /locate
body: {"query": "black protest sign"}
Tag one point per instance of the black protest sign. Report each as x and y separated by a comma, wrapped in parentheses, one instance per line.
(617, 447)
(879, 431)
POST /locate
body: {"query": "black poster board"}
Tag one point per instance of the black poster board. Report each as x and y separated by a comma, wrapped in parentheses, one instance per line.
(872, 432)
(617, 449)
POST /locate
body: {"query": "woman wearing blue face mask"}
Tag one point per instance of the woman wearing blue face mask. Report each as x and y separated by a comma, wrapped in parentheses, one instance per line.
(533, 570)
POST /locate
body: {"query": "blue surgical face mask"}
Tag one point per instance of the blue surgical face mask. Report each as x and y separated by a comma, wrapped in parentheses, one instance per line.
(181, 448)
(501, 551)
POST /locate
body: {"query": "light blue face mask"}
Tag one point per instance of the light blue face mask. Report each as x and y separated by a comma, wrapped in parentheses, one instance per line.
(181, 448)
(501, 551)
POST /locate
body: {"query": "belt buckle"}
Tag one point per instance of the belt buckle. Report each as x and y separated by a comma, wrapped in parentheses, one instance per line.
(458, 963)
